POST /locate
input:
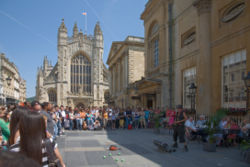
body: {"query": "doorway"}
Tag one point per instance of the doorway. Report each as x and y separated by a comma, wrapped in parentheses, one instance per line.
(149, 103)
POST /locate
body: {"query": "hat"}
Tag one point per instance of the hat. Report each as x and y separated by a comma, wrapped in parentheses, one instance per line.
(35, 103)
(179, 106)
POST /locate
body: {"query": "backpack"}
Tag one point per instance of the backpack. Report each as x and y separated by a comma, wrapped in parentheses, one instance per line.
(53, 160)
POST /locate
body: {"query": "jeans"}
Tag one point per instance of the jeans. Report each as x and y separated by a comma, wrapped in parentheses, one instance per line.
(136, 123)
(78, 124)
(55, 130)
(89, 122)
(70, 124)
(59, 127)
(126, 122)
(146, 120)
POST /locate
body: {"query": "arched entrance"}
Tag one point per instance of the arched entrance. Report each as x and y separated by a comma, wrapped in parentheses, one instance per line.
(80, 105)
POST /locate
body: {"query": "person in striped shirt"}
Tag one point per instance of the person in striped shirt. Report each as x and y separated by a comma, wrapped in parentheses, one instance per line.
(30, 138)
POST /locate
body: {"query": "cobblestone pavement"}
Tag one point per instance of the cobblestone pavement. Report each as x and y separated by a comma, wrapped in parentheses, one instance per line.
(88, 148)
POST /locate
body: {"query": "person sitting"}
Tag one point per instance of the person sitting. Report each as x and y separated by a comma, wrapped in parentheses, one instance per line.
(97, 125)
(233, 133)
(190, 128)
(201, 123)
(245, 129)
(85, 126)
(223, 123)
(194, 132)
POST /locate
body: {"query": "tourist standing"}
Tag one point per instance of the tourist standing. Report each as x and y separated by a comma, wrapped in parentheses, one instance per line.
(63, 113)
(105, 118)
(46, 109)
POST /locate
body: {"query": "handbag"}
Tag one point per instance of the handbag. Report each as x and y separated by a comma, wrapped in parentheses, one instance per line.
(52, 159)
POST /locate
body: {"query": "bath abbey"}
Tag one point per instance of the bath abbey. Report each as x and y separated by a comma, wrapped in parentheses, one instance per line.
(79, 78)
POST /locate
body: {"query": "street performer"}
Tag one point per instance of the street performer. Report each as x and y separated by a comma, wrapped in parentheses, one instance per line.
(179, 127)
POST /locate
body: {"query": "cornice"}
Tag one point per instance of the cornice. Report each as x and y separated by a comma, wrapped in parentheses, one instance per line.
(203, 6)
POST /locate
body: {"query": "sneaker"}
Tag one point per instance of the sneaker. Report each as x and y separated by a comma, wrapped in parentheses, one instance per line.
(186, 148)
(175, 145)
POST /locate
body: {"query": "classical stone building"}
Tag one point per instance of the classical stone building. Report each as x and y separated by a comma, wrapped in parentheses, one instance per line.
(12, 86)
(79, 77)
(205, 42)
(126, 65)
(22, 86)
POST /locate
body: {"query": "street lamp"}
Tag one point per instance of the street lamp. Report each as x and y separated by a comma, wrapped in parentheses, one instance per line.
(247, 84)
(8, 80)
(192, 90)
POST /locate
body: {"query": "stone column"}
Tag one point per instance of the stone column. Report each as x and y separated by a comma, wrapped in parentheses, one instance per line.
(203, 66)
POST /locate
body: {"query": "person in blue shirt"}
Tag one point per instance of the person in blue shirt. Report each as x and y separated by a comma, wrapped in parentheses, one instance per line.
(147, 112)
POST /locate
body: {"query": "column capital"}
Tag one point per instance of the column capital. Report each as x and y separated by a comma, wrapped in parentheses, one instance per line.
(203, 6)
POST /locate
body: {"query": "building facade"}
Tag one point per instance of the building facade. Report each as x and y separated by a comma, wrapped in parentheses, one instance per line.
(22, 85)
(201, 42)
(12, 87)
(79, 77)
(126, 65)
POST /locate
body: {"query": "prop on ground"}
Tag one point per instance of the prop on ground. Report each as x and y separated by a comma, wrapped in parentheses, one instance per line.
(114, 148)
(163, 146)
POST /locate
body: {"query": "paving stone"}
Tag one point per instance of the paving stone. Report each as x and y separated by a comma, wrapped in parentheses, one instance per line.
(80, 149)
(74, 159)
(73, 144)
(129, 149)
(96, 158)
(90, 143)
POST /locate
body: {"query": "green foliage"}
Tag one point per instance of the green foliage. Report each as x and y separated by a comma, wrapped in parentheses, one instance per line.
(156, 118)
(213, 124)
(245, 145)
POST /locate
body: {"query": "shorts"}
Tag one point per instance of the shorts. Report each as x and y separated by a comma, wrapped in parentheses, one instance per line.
(121, 122)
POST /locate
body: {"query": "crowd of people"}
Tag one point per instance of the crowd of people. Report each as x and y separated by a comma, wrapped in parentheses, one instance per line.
(32, 129)
(95, 118)
(27, 134)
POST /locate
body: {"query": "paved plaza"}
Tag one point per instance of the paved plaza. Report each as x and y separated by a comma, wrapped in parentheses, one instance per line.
(88, 148)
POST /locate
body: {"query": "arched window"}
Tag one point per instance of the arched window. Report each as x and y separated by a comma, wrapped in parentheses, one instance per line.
(81, 75)
(52, 96)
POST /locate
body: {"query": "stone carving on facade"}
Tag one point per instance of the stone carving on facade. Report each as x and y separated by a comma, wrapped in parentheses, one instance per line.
(233, 12)
(203, 6)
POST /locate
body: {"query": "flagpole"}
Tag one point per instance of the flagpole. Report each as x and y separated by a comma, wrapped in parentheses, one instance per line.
(86, 21)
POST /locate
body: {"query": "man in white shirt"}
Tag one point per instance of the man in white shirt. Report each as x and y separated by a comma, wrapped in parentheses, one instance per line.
(193, 131)
(190, 124)
(63, 113)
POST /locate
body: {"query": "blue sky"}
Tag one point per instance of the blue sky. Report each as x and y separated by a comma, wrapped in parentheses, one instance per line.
(28, 28)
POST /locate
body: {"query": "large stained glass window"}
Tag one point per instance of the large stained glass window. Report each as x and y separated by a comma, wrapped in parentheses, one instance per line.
(233, 73)
(80, 75)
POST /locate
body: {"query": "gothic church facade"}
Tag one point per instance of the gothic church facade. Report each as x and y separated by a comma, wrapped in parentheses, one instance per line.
(79, 78)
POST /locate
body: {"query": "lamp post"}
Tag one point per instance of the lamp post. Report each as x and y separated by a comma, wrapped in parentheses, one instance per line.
(192, 90)
(8, 79)
(247, 84)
